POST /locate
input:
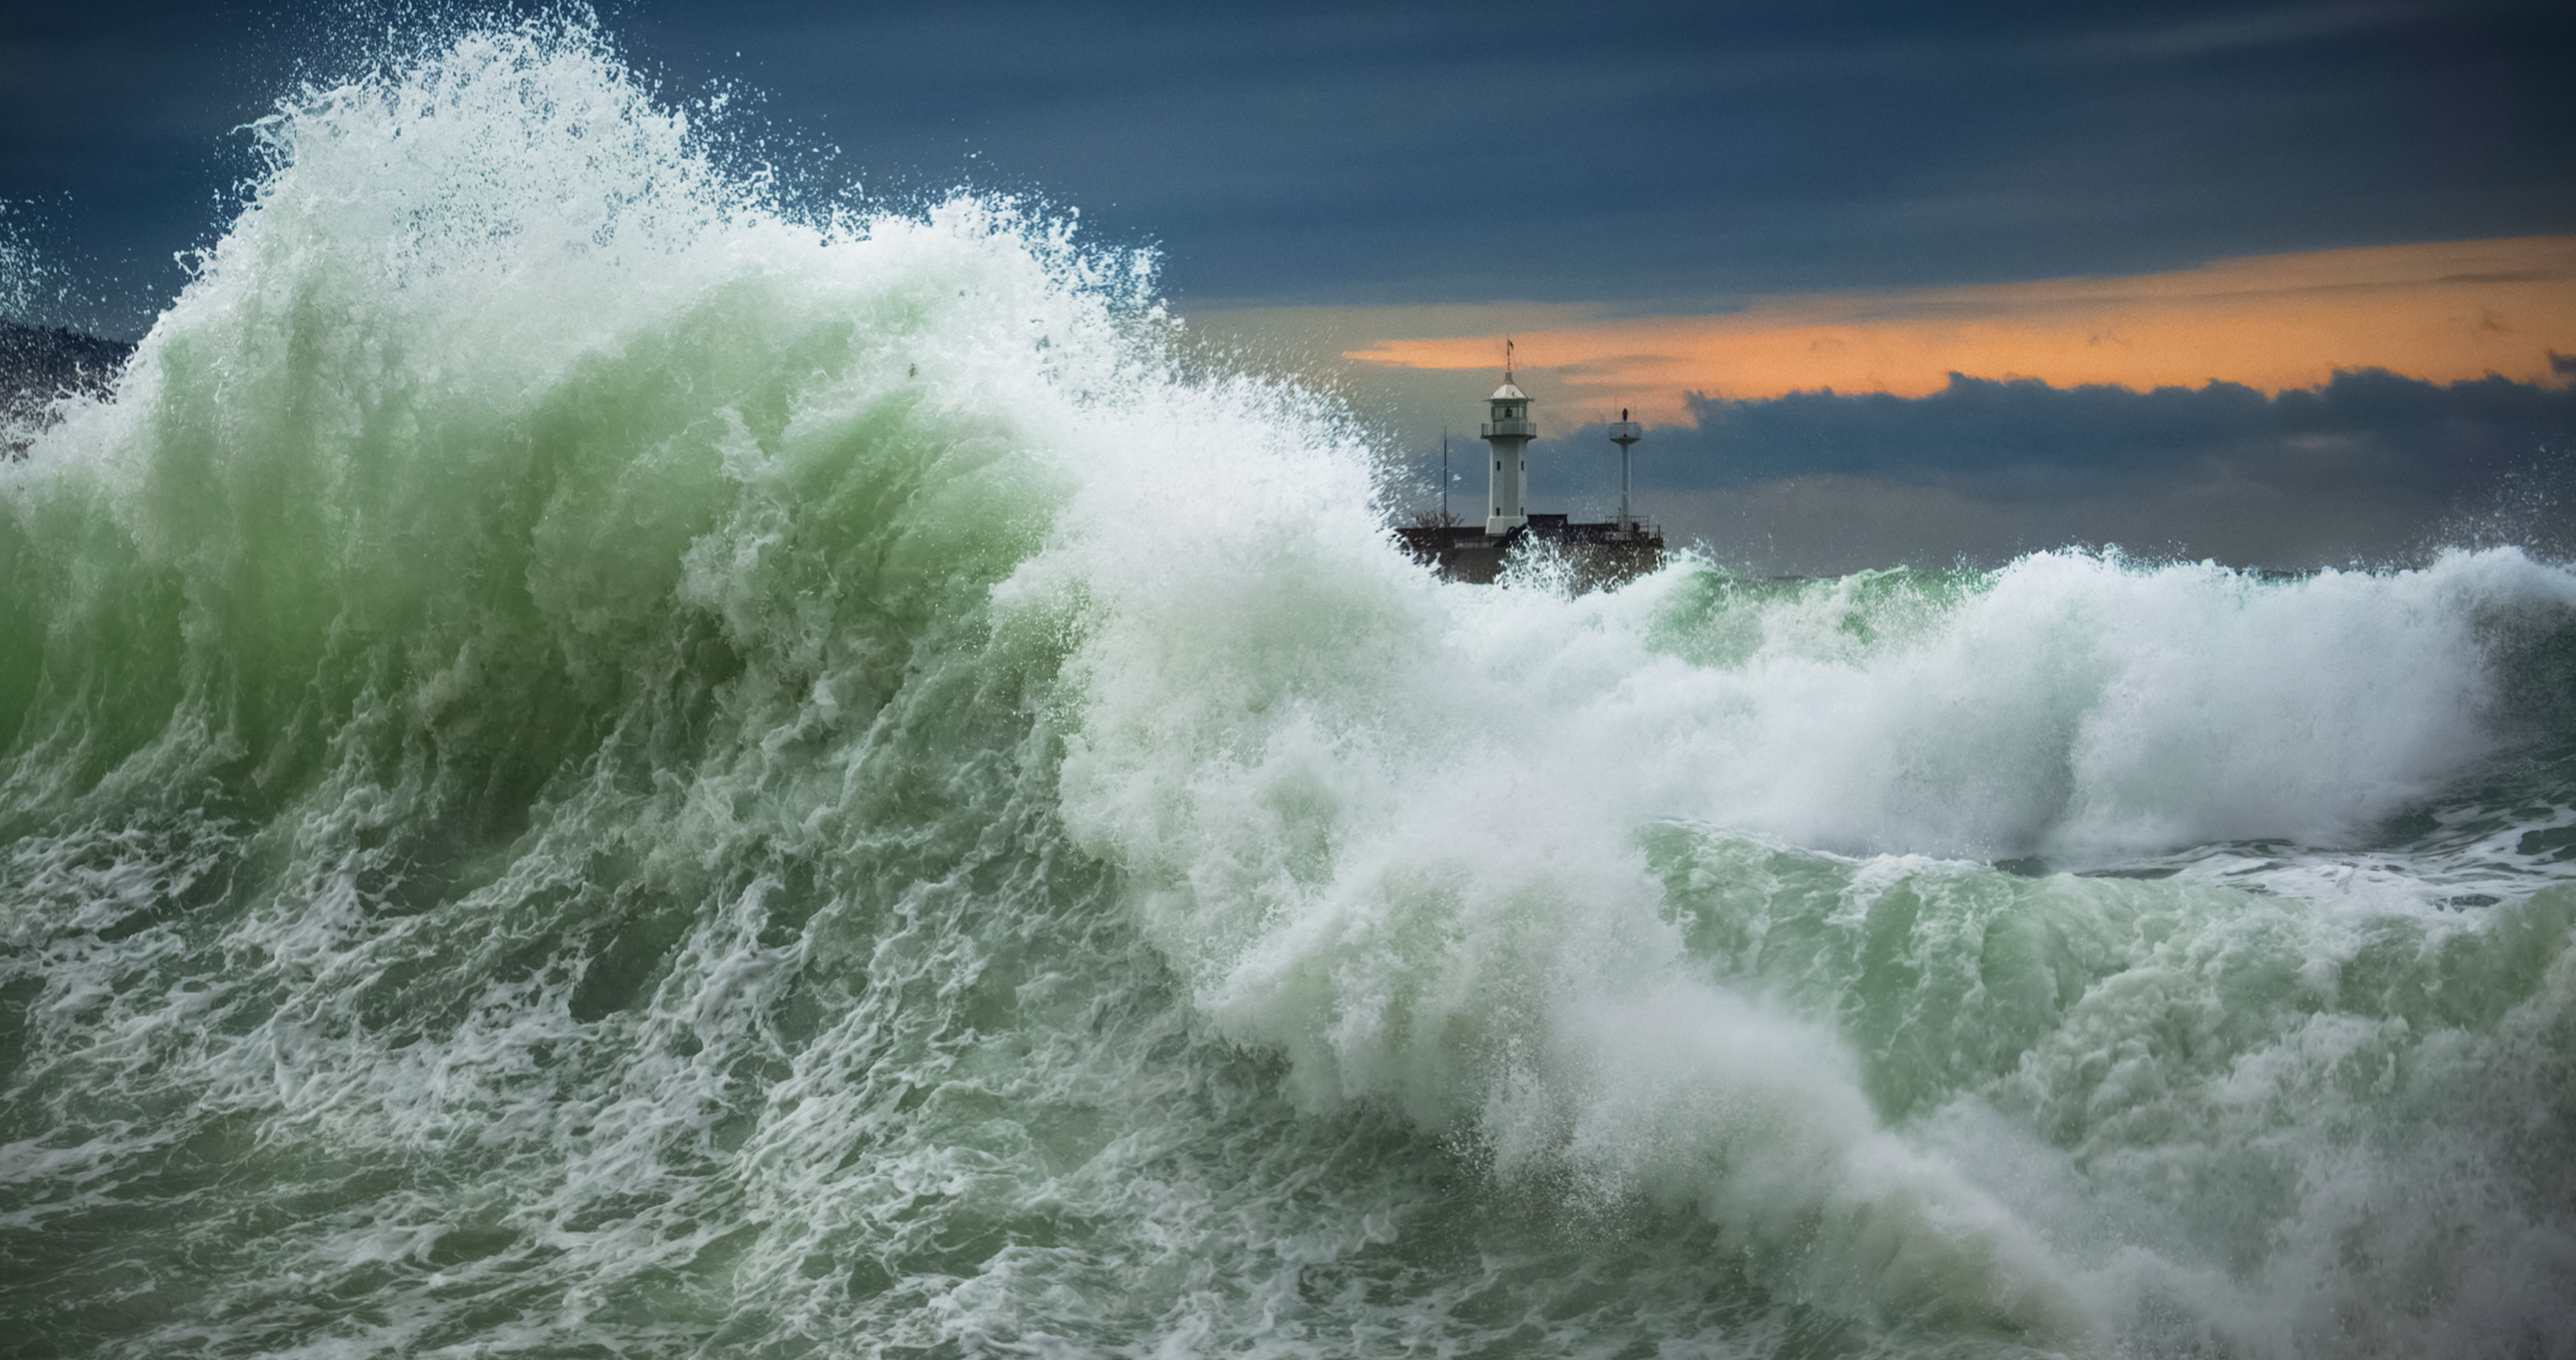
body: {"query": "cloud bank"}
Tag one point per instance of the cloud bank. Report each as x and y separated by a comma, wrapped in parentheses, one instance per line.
(2444, 310)
(2371, 467)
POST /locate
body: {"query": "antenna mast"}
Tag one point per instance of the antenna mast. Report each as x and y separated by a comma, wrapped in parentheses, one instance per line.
(1623, 434)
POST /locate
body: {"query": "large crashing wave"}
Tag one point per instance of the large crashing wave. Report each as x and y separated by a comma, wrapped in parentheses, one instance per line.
(595, 762)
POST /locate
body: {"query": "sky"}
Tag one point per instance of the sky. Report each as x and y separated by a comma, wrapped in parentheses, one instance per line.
(1803, 242)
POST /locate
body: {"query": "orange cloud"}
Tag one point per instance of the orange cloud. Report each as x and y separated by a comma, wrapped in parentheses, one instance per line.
(2445, 312)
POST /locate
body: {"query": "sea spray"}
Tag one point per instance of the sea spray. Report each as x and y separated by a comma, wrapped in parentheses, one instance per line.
(594, 763)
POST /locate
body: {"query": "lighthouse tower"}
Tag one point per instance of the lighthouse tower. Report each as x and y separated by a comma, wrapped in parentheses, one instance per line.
(1509, 432)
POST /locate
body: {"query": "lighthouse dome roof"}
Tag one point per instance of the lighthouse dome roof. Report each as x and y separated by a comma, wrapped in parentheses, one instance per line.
(1507, 392)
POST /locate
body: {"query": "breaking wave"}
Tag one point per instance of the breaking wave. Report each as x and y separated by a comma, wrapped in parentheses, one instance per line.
(596, 764)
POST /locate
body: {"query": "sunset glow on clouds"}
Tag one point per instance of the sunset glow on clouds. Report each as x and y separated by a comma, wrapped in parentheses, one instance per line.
(2444, 311)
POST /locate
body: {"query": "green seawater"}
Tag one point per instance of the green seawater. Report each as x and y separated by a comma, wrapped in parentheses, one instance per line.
(593, 767)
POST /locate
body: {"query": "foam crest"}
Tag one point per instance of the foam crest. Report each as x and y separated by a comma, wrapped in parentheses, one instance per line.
(1394, 830)
(2087, 708)
(1369, 822)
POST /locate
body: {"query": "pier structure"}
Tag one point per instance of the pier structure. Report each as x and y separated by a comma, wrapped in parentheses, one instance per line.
(1599, 553)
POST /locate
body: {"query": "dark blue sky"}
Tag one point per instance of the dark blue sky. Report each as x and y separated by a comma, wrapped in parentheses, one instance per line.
(1659, 157)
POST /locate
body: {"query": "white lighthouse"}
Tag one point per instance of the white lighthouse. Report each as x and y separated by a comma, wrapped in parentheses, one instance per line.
(1509, 432)
(1596, 555)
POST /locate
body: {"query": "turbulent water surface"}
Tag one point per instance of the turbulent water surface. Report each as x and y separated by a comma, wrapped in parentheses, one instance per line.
(596, 767)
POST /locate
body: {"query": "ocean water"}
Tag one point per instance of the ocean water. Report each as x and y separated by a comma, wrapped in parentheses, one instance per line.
(593, 766)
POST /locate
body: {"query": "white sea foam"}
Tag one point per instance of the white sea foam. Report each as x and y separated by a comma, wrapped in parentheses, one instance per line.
(1393, 829)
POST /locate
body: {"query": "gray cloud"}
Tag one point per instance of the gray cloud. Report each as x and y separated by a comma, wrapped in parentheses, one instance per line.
(1676, 157)
(2371, 466)
(2200, 35)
